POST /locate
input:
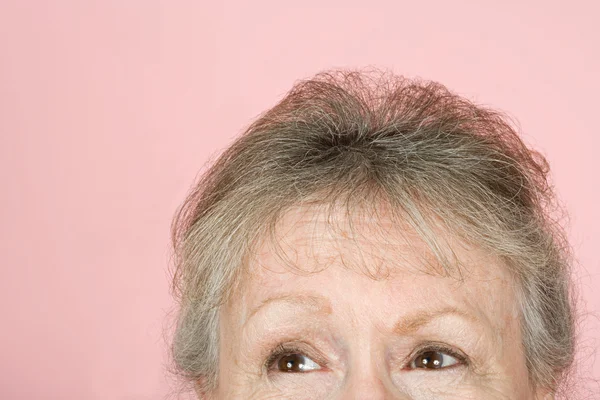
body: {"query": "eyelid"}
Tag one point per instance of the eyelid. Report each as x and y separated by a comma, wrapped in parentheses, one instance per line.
(458, 354)
(279, 351)
(289, 348)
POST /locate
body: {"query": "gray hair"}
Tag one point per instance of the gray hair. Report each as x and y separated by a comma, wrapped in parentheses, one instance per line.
(431, 154)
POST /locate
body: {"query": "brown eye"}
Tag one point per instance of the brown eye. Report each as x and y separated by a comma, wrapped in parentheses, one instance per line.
(296, 363)
(434, 360)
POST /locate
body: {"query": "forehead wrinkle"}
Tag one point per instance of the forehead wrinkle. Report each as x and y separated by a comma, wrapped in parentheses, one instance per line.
(378, 234)
(315, 304)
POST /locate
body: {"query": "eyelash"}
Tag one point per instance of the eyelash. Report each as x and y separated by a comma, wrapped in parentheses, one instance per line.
(438, 347)
(285, 349)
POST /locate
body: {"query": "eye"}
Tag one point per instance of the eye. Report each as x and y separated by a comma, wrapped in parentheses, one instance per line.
(291, 357)
(296, 363)
(435, 359)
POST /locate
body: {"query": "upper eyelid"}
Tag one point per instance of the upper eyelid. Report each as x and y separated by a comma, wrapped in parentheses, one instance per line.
(293, 347)
(279, 351)
(452, 351)
(440, 314)
(310, 342)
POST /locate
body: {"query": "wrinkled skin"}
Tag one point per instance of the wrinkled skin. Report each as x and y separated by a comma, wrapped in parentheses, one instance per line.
(360, 336)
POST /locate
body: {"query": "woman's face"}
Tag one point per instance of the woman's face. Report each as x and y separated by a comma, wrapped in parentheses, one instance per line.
(338, 333)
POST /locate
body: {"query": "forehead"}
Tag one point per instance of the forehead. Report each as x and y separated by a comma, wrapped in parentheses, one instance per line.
(332, 253)
(372, 239)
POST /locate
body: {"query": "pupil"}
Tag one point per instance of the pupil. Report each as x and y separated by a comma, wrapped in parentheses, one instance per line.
(430, 360)
(291, 363)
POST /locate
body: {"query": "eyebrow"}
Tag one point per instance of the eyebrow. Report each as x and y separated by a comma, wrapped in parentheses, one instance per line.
(321, 305)
(414, 322)
(316, 303)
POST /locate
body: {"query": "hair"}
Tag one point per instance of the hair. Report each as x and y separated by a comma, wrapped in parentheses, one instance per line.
(431, 154)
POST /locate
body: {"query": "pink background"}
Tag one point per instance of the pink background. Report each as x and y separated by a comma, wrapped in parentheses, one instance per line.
(108, 109)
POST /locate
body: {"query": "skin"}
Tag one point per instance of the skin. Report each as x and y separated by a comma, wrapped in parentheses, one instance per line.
(358, 305)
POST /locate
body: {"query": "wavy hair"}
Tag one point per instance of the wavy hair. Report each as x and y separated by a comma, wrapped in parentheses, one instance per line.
(431, 154)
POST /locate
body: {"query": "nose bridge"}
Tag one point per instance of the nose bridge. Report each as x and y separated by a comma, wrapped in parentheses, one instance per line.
(366, 382)
(364, 386)
(368, 376)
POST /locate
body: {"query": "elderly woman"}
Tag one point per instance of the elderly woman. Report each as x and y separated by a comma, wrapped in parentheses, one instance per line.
(373, 237)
